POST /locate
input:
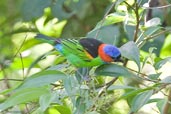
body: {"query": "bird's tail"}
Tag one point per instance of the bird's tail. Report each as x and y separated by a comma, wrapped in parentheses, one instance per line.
(47, 39)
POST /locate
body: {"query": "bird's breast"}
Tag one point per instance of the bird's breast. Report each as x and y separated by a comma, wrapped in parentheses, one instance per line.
(103, 55)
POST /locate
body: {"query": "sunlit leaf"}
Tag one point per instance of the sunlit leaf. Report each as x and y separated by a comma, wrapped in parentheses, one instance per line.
(131, 51)
(140, 100)
(23, 96)
(113, 70)
(118, 2)
(111, 19)
(165, 52)
(153, 22)
(58, 109)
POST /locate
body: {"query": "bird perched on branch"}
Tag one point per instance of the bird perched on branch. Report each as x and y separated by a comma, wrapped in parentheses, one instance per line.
(86, 52)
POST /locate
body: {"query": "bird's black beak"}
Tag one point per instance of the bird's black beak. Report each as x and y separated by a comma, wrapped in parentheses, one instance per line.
(118, 59)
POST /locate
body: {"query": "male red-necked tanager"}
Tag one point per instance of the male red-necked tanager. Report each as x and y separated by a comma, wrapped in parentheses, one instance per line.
(85, 52)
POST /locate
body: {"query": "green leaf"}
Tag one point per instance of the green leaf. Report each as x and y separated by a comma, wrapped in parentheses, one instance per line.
(70, 85)
(118, 2)
(159, 64)
(80, 105)
(45, 101)
(111, 19)
(161, 104)
(58, 10)
(33, 9)
(140, 100)
(108, 34)
(135, 92)
(113, 70)
(42, 78)
(154, 76)
(23, 96)
(58, 109)
(165, 52)
(114, 87)
(131, 51)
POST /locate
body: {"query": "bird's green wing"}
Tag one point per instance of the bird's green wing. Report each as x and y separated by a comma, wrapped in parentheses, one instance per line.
(73, 46)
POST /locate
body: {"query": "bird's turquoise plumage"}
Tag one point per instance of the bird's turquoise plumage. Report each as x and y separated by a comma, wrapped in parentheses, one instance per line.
(86, 52)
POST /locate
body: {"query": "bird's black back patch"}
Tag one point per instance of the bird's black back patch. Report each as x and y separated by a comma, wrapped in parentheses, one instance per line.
(91, 45)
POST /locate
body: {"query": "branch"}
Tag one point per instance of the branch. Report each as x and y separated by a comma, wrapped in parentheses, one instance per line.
(167, 105)
(138, 22)
(11, 79)
(98, 30)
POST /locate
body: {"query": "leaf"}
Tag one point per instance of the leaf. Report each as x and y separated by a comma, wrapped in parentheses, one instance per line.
(166, 80)
(82, 74)
(42, 78)
(153, 22)
(135, 92)
(154, 76)
(80, 106)
(111, 19)
(58, 109)
(70, 84)
(58, 10)
(159, 64)
(114, 87)
(118, 2)
(108, 34)
(113, 70)
(45, 101)
(140, 100)
(23, 96)
(131, 51)
(33, 9)
(161, 104)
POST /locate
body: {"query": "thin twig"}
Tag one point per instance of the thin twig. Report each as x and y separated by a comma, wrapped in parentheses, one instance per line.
(106, 86)
(155, 35)
(138, 22)
(10, 79)
(98, 30)
(18, 51)
(21, 58)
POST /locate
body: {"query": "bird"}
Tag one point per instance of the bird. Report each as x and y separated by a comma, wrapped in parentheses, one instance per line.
(84, 52)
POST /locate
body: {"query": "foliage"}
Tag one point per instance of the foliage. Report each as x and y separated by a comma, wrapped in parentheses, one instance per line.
(35, 79)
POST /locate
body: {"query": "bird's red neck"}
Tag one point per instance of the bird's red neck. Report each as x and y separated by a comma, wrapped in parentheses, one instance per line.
(103, 55)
